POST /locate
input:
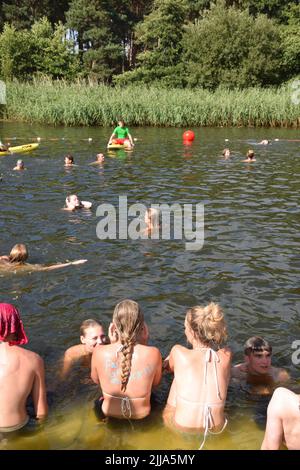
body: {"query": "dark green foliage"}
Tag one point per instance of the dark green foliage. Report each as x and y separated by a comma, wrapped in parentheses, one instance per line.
(42, 50)
(231, 48)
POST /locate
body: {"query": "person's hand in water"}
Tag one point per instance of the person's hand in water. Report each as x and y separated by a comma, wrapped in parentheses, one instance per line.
(79, 261)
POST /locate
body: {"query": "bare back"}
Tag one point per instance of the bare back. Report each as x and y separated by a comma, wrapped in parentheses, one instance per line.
(21, 372)
(145, 373)
(196, 385)
(283, 421)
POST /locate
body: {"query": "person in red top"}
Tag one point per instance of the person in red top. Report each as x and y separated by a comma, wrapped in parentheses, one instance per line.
(21, 374)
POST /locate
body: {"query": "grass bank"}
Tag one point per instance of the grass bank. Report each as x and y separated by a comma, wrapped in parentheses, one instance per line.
(79, 104)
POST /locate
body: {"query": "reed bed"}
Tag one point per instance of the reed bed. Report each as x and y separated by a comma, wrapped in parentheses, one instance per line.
(87, 104)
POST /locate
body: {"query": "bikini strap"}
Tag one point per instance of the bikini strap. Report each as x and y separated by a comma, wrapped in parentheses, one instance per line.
(212, 355)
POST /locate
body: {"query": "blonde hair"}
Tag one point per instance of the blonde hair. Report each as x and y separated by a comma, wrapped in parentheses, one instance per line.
(129, 321)
(88, 324)
(250, 153)
(207, 323)
(18, 254)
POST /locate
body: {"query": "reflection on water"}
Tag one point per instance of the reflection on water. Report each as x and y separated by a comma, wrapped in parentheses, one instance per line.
(248, 263)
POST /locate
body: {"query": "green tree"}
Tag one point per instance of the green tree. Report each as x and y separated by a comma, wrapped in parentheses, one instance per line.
(229, 47)
(160, 36)
(23, 13)
(42, 50)
(105, 34)
(290, 34)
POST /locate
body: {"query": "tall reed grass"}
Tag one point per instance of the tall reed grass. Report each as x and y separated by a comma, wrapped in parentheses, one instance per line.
(83, 104)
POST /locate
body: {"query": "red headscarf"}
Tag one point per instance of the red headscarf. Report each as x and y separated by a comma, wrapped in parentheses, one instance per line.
(10, 322)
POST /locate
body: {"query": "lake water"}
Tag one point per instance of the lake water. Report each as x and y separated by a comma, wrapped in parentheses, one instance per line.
(249, 262)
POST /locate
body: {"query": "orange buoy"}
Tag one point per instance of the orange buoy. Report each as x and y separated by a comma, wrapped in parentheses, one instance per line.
(188, 136)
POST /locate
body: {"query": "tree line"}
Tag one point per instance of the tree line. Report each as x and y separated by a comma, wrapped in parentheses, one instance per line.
(168, 43)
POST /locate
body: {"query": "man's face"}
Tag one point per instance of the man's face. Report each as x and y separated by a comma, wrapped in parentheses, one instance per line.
(259, 362)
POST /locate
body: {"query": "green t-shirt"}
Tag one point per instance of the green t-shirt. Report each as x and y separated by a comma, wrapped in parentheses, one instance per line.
(121, 132)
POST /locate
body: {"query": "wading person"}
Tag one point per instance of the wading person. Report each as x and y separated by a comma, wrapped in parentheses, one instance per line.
(283, 421)
(21, 374)
(257, 370)
(127, 369)
(201, 375)
(91, 335)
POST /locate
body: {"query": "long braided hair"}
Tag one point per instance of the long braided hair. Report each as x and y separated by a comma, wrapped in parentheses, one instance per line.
(129, 321)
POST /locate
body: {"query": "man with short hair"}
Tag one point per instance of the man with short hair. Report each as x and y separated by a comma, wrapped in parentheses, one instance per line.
(257, 369)
(21, 374)
(283, 421)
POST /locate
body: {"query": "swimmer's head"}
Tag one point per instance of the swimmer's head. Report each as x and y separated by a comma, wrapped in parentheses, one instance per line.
(226, 153)
(69, 159)
(92, 334)
(18, 254)
(100, 157)
(128, 320)
(258, 355)
(206, 324)
(250, 154)
(73, 200)
(20, 164)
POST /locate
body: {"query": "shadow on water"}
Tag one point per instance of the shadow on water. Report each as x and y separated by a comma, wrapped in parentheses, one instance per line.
(247, 263)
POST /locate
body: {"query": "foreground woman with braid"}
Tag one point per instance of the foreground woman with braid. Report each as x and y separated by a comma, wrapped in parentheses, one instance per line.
(127, 369)
(201, 375)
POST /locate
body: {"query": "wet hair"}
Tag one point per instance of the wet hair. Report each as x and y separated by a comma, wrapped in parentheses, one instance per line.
(70, 157)
(250, 154)
(256, 344)
(129, 320)
(208, 324)
(90, 323)
(68, 198)
(18, 254)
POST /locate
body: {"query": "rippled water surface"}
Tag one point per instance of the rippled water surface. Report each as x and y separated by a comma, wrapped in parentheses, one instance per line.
(249, 263)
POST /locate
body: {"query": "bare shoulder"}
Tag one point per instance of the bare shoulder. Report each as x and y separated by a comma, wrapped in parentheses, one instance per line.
(284, 403)
(280, 375)
(239, 371)
(154, 351)
(73, 352)
(32, 357)
(225, 353)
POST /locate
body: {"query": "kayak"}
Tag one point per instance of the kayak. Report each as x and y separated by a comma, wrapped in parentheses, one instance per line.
(115, 146)
(20, 149)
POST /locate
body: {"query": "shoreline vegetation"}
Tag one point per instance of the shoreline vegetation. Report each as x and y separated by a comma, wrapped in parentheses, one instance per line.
(82, 103)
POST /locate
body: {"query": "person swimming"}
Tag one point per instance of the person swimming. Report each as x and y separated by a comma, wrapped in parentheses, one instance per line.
(99, 159)
(18, 257)
(20, 166)
(226, 153)
(250, 156)
(74, 203)
(69, 160)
